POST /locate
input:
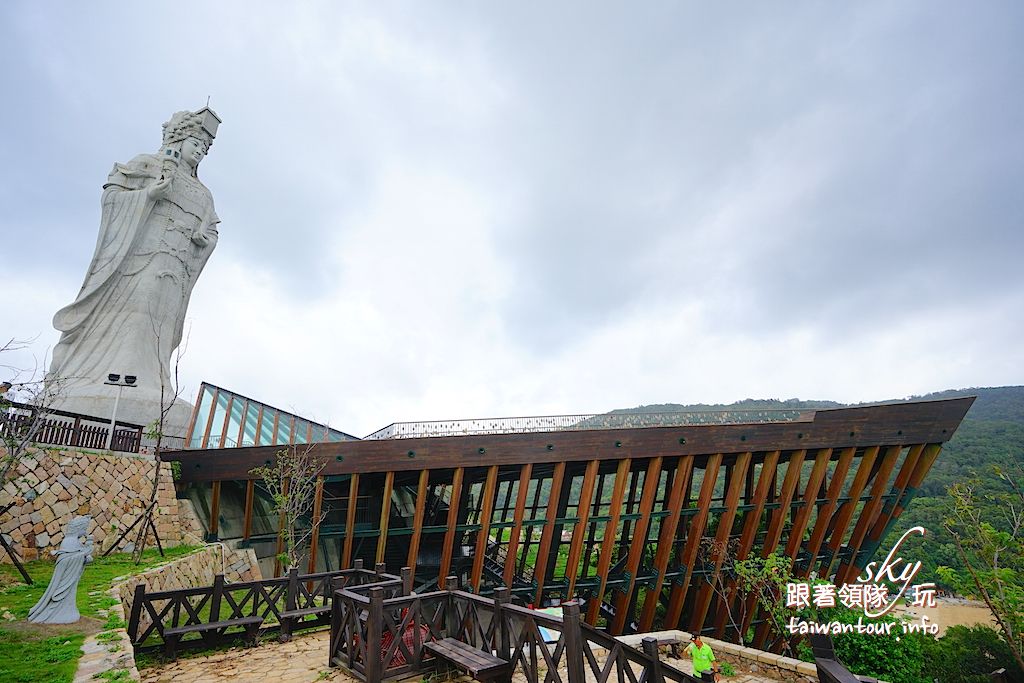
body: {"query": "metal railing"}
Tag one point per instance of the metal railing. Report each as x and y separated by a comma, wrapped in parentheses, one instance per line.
(554, 423)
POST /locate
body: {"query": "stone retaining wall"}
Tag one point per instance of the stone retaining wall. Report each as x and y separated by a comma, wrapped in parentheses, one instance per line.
(756, 661)
(50, 487)
(191, 571)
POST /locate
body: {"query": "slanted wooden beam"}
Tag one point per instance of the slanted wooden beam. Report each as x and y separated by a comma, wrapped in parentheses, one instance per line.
(385, 514)
(314, 540)
(604, 558)
(869, 512)
(541, 563)
(250, 486)
(666, 533)
(227, 420)
(486, 511)
(453, 520)
(517, 522)
(751, 522)
(579, 532)
(209, 418)
(694, 532)
(845, 512)
(835, 489)
(417, 522)
(732, 501)
(624, 599)
(350, 520)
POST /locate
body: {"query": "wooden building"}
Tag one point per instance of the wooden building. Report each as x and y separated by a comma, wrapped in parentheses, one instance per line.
(632, 515)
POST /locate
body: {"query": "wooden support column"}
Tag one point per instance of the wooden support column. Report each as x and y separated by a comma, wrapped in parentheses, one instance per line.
(669, 526)
(604, 557)
(549, 530)
(517, 522)
(845, 512)
(624, 600)
(350, 519)
(314, 539)
(453, 520)
(751, 522)
(278, 567)
(835, 489)
(385, 515)
(417, 523)
(579, 531)
(868, 513)
(732, 501)
(693, 535)
(250, 493)
(486, 511)
(214, 519)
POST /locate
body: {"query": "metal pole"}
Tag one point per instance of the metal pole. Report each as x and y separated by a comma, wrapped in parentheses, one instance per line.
(113, 416)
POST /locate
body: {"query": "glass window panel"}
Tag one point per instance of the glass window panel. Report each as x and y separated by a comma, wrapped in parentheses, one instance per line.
(284, 429)
(199, 428)
(301, 431)
(251, 417)
(267, 427)
(218, 420)
(237, 408)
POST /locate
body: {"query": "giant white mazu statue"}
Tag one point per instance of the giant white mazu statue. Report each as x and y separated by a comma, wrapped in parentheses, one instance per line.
(157, 230)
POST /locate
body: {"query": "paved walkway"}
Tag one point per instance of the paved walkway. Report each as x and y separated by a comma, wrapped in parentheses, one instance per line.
(302, 660)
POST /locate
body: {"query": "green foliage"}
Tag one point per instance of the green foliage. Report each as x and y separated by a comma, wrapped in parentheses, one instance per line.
(726, 669)
(26, 658)
(991, 565)
(967, 655)
(896, 657)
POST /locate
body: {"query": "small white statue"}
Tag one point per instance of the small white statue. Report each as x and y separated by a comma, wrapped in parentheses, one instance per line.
(58, 606)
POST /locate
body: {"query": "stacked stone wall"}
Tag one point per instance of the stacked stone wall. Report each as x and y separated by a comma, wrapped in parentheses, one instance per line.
(49, 487)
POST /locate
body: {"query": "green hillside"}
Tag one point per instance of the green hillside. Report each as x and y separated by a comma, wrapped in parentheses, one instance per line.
(991, 435)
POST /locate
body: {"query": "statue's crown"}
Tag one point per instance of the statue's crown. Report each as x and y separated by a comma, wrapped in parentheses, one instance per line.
(200, 124)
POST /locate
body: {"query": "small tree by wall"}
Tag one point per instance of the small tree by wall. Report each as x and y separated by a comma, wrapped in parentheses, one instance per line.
(291, 482)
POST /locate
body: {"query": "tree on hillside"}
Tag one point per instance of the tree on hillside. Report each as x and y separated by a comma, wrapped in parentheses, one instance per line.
(991, 552)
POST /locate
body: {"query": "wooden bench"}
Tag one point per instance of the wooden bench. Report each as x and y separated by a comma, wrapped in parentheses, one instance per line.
(172, 636)
(289, 617)
(483, 666)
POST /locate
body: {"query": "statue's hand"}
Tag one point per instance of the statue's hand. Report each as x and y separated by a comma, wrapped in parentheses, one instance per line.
(205, 235)
(160, 188)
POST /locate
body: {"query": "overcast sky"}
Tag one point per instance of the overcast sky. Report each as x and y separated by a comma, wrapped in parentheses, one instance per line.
(442, 210)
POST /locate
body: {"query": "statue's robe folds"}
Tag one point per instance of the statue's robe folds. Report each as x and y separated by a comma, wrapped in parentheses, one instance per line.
(58, 604)
(129, 316)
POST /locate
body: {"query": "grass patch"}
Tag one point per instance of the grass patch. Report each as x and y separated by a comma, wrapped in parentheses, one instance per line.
(31, 652)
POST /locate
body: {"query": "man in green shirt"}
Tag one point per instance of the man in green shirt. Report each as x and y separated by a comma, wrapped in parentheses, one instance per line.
(704, 663)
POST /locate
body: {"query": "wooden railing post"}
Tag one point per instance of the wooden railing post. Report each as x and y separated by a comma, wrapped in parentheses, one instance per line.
(357, 564)
(136, 615)
(406, 580)
(374, 626)
(573, 636)
(651, 650)
(218, 590)
(502, 596)
(76, 433)
(292, 594)
(451, 616)
(380, 568)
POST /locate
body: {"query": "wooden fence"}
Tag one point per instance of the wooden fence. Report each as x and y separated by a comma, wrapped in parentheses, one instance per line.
(379, 635)
(224, 611)
(62, 428)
